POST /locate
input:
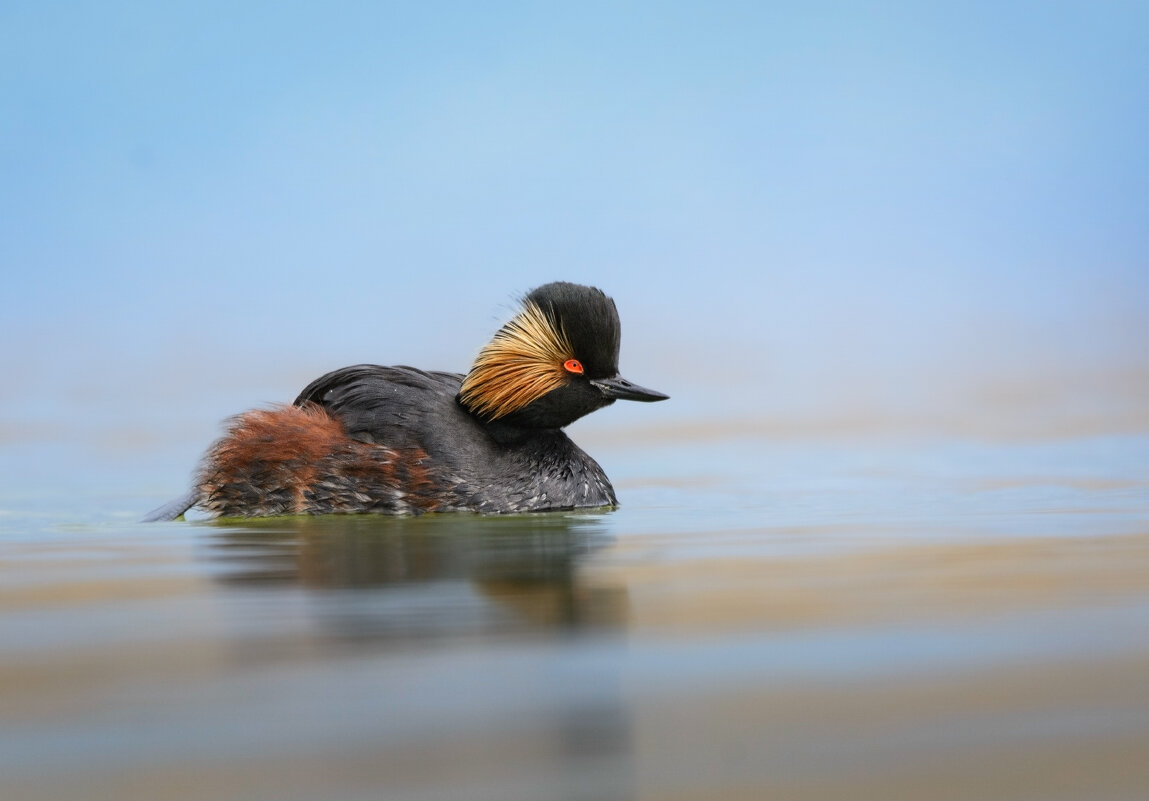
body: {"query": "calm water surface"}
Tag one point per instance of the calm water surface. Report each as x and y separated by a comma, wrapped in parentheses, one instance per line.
(762, 619)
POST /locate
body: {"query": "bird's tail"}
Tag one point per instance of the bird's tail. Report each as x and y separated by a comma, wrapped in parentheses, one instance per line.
(173, 509)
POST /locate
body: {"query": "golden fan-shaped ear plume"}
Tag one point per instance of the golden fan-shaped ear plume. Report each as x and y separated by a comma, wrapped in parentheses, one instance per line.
(521, 363)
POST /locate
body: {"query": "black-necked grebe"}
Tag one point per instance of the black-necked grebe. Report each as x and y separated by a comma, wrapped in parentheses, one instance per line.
(397, 440)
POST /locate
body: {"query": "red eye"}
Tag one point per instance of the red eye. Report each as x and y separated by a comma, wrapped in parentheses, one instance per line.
(573, 366)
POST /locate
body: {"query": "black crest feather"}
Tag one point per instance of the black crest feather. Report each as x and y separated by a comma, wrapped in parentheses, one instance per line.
(589, 319)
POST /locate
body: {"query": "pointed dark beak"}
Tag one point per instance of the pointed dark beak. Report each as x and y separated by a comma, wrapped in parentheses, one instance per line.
(618, 388)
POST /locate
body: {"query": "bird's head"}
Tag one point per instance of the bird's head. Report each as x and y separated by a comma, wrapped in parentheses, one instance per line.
(553, 362)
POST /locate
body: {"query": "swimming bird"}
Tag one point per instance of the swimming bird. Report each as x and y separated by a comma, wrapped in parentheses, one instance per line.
(398, 440)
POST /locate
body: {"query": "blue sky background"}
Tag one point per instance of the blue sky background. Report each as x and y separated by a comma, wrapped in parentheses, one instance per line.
(901, 210)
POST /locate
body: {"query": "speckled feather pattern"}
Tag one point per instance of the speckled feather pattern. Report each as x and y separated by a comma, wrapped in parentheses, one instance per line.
(304, 460)
(298, 460)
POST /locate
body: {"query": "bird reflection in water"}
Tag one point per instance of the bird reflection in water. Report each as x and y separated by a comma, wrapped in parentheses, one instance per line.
(374, 577)
(464, 635)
